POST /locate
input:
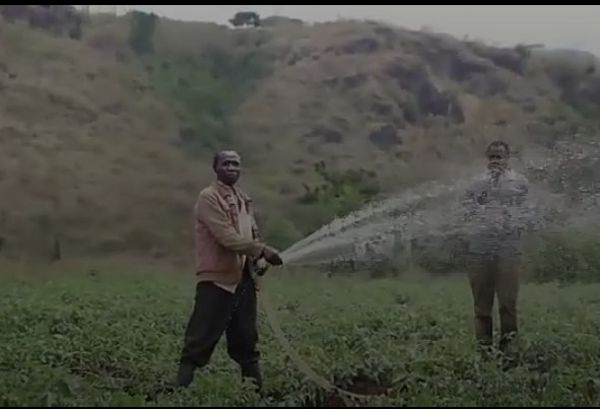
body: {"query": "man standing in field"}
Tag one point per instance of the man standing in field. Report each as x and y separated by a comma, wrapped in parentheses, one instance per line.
(496, 213)
(227, 250)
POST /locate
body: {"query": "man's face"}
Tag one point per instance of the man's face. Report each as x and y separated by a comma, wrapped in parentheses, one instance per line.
(497, 159)
(228, 167)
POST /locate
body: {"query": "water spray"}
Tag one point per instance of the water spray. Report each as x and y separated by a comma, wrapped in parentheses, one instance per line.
(433, 209)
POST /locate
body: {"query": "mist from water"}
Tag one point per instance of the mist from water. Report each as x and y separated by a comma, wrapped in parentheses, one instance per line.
(432, 209)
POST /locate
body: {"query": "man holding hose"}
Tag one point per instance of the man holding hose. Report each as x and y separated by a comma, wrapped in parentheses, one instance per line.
(497, 213)
(227, 253)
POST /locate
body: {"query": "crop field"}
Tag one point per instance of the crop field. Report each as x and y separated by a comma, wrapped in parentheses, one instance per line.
(113, 338)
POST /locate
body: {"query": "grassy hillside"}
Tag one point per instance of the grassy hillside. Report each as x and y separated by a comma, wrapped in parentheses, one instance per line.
(106, 141)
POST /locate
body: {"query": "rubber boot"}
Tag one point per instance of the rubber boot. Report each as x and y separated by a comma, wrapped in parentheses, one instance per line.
(252, 371)
(185, 375)
(506, 341)
(509, 354)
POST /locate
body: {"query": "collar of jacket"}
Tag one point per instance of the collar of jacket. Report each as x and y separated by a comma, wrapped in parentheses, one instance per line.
(230, 193)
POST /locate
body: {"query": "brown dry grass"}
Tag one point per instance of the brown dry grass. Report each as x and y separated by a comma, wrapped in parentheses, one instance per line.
(87, 152)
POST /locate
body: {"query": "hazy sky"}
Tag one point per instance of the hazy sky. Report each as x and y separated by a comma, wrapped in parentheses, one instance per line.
(554, 26)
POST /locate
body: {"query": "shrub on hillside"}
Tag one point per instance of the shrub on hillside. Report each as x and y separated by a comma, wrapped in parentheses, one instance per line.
(566, 257)
(338, 193)
(207, 89)
(141, 35)
(281, 232)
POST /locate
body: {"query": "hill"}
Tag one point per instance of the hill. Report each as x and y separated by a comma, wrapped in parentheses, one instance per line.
(106, 139)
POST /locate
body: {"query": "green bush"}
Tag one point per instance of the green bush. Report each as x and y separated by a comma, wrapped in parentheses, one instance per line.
(310, 217)
(281, 232)
(206, 90)
(338, 193)
(566, 258)
(141, 32)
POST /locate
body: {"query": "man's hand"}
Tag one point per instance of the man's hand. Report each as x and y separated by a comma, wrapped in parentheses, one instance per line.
(261, 266)
(272, 256)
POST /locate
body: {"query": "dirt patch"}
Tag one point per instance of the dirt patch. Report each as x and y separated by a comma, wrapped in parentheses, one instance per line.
(359, 385)
(325, 134)
(385, 137)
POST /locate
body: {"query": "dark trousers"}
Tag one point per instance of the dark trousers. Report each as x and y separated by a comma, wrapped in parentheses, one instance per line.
(490, 276)
(217, 311)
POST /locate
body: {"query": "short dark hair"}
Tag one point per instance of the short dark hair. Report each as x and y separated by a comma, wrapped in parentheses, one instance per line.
(217, 157)
(496, 144)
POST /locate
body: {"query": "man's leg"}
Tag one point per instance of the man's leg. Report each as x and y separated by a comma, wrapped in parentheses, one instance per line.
(481, 278)
(212, 309)
(242, 332)
(507, 288)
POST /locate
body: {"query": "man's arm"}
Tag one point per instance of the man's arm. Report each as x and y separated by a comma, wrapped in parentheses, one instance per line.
(211, 213)
(255, 230)
(469, 204)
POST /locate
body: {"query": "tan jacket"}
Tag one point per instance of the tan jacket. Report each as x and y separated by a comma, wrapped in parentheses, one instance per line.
(219, 246)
